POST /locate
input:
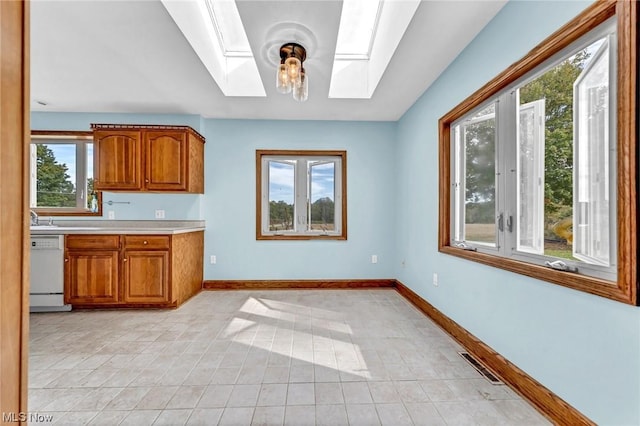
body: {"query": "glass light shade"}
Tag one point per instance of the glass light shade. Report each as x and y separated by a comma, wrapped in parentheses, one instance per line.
(283, 83)
(301, 91)
(293, 68)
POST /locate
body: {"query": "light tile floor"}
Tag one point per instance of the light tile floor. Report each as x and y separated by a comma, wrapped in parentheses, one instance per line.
(293, 357)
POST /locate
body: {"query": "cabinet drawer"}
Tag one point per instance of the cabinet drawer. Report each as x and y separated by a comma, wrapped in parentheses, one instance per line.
(92, 242)
(146, 241)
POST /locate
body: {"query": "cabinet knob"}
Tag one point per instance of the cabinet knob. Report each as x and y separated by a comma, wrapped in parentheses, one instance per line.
(146, 180)
(125, 259)
(145, 242)
(66, 260)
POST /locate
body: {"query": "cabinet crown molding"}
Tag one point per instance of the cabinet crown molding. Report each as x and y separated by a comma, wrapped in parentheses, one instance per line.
(103, 126)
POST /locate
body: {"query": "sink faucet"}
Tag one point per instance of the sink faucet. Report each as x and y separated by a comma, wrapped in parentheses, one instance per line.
(34, 217)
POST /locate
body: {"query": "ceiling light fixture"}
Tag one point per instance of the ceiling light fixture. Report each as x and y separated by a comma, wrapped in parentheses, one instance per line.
(291, 76)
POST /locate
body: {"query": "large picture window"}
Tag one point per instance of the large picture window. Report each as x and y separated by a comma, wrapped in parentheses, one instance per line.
(301, 194)
(534, 163)
(61, 177)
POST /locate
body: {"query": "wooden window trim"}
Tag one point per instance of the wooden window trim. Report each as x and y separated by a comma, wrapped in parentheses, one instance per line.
(300, 153)
(625, 288)
(64, 211)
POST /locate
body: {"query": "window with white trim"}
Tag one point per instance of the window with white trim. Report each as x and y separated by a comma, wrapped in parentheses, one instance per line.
(538, 167)
(532, 167)
(61, 177)
(301, 194)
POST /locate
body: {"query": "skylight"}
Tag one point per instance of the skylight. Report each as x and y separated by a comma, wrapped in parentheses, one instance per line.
(358, 24)
(369, 34)
(229, 29)
(215, 31)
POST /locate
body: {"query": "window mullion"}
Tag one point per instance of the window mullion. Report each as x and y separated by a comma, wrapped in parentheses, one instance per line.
(300, 206)
(500, 176)
(458, 159)
(337, 190)
(265, 194)
(81, 175)
(33, 180)
(507, 167)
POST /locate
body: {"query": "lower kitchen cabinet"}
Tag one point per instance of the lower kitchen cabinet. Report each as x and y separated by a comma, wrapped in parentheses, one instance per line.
(91, 277)
(132, 270)
(145, 276)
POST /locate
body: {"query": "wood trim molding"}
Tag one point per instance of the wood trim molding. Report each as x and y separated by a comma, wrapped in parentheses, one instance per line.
(124, 306)
(592, 16)
(102, 126)
(300, 153)
(295, 284)
(548, 403)
(626, 287)
(14, 199)
(627, 128)
(71, 134)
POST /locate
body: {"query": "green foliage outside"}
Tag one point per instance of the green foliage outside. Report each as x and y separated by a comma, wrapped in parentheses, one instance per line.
(480, 146)
(54, 186)
(90, 192)
(281, 214)
(556, 88)
(323, 211)
(480, 212)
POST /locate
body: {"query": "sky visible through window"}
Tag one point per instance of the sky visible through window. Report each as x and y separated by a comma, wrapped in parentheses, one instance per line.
(281, 181)
(66, 154)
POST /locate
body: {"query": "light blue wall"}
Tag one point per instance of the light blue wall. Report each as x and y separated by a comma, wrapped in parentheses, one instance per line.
(584, 348)
(141, 206)
(229, 206)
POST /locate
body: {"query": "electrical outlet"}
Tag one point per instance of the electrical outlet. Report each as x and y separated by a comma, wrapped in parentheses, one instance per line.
(435, 279)
(374, 258)
(111, 214)
(213, 259)
(159, 214)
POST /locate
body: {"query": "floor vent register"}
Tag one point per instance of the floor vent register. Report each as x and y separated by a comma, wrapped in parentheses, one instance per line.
(480, 368)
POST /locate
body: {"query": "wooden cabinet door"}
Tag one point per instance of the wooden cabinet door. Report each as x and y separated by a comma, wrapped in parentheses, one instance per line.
(146, 276)
(91, 276)
(166, 160)
(117, 159)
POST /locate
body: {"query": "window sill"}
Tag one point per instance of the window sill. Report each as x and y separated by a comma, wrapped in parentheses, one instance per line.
(300, 237)
(619, 291)
(65, 212)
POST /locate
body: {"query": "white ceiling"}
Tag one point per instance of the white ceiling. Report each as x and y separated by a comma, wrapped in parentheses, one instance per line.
(130, 57)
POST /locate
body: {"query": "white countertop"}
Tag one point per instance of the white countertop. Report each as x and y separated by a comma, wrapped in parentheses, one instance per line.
(143, 227)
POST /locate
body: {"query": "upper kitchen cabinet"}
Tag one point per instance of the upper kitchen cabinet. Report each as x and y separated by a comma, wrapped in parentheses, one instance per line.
(148, 158)
(117, 160)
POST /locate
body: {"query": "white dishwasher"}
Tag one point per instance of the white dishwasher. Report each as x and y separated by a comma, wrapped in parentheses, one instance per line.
(46, 293)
